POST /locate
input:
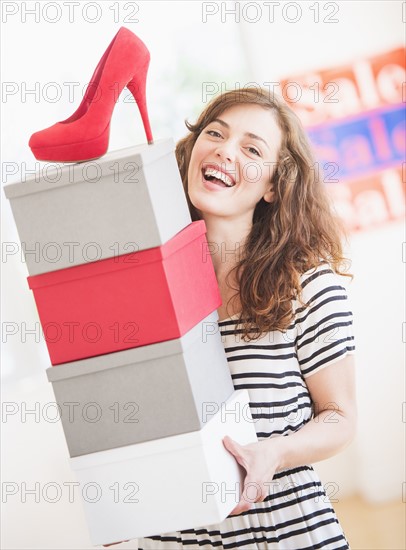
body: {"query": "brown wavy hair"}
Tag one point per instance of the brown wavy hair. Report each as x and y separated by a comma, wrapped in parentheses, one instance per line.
(295, 233)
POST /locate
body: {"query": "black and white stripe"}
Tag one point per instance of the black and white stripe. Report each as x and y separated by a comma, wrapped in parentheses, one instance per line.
(297, 513)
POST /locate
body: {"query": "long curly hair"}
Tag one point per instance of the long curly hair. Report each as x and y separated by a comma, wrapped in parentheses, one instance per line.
(296, 232)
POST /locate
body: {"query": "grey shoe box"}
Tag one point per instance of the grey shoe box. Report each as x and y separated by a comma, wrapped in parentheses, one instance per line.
(144, 393)
(129, 200)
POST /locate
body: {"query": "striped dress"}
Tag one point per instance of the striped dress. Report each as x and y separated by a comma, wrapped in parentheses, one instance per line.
(297, 513)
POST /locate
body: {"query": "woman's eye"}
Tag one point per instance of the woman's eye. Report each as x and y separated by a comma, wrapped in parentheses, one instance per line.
(213, 133)
(253, 150)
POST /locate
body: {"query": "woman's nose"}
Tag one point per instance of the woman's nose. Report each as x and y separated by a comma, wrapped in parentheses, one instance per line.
(226, 152)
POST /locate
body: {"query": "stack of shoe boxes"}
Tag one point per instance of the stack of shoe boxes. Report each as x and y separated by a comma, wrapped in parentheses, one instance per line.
(127, 297)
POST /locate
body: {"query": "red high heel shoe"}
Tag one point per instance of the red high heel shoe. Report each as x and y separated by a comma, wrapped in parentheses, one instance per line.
(85, 134)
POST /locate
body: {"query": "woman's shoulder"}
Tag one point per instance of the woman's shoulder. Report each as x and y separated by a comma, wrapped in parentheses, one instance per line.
(320, 277)
(320, 285)
(324, 320)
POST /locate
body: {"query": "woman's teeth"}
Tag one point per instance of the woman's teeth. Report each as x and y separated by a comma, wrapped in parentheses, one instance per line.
(210, 174)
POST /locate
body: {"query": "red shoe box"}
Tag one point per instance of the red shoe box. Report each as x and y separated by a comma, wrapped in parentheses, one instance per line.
(128, 301)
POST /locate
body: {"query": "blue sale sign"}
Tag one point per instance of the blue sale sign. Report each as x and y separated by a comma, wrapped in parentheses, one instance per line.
(356, 146)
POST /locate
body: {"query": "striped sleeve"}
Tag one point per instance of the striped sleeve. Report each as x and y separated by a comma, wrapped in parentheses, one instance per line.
(324, 330)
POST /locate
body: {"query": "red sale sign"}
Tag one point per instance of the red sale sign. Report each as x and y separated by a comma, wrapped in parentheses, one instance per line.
(371, 201)
(339, 92)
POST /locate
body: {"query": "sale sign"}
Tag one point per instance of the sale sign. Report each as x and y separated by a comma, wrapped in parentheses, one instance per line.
(371, 201)
(355, 119)
(359, 145)
(334, 93)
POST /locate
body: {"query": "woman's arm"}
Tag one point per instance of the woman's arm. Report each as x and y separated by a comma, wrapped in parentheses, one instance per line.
(333, 392)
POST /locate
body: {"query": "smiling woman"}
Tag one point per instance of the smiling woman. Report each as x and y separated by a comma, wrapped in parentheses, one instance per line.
(248, 171)
(243, 160)
(276, 221)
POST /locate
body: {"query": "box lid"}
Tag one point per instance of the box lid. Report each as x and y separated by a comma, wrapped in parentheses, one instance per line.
(56, 175)
(129, 356)
(125, 261)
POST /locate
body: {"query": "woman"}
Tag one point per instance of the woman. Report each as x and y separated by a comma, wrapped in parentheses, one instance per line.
(248, 171)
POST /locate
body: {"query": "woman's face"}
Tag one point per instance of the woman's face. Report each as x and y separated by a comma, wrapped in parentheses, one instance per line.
(233, 160)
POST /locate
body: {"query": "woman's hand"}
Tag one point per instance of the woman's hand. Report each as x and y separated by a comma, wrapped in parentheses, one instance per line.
(260, 462)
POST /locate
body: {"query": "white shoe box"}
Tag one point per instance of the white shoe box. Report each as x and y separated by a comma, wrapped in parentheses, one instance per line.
(180, 482)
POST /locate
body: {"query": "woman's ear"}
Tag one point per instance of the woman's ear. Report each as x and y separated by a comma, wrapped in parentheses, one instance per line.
(269, 195)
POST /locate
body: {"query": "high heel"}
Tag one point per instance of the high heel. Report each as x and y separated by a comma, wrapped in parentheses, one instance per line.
(85, 134)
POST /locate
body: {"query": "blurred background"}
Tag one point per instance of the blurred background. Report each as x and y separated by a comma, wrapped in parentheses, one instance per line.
(341, 66)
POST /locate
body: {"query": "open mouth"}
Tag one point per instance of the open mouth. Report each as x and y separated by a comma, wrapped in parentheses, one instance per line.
(217, 176)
